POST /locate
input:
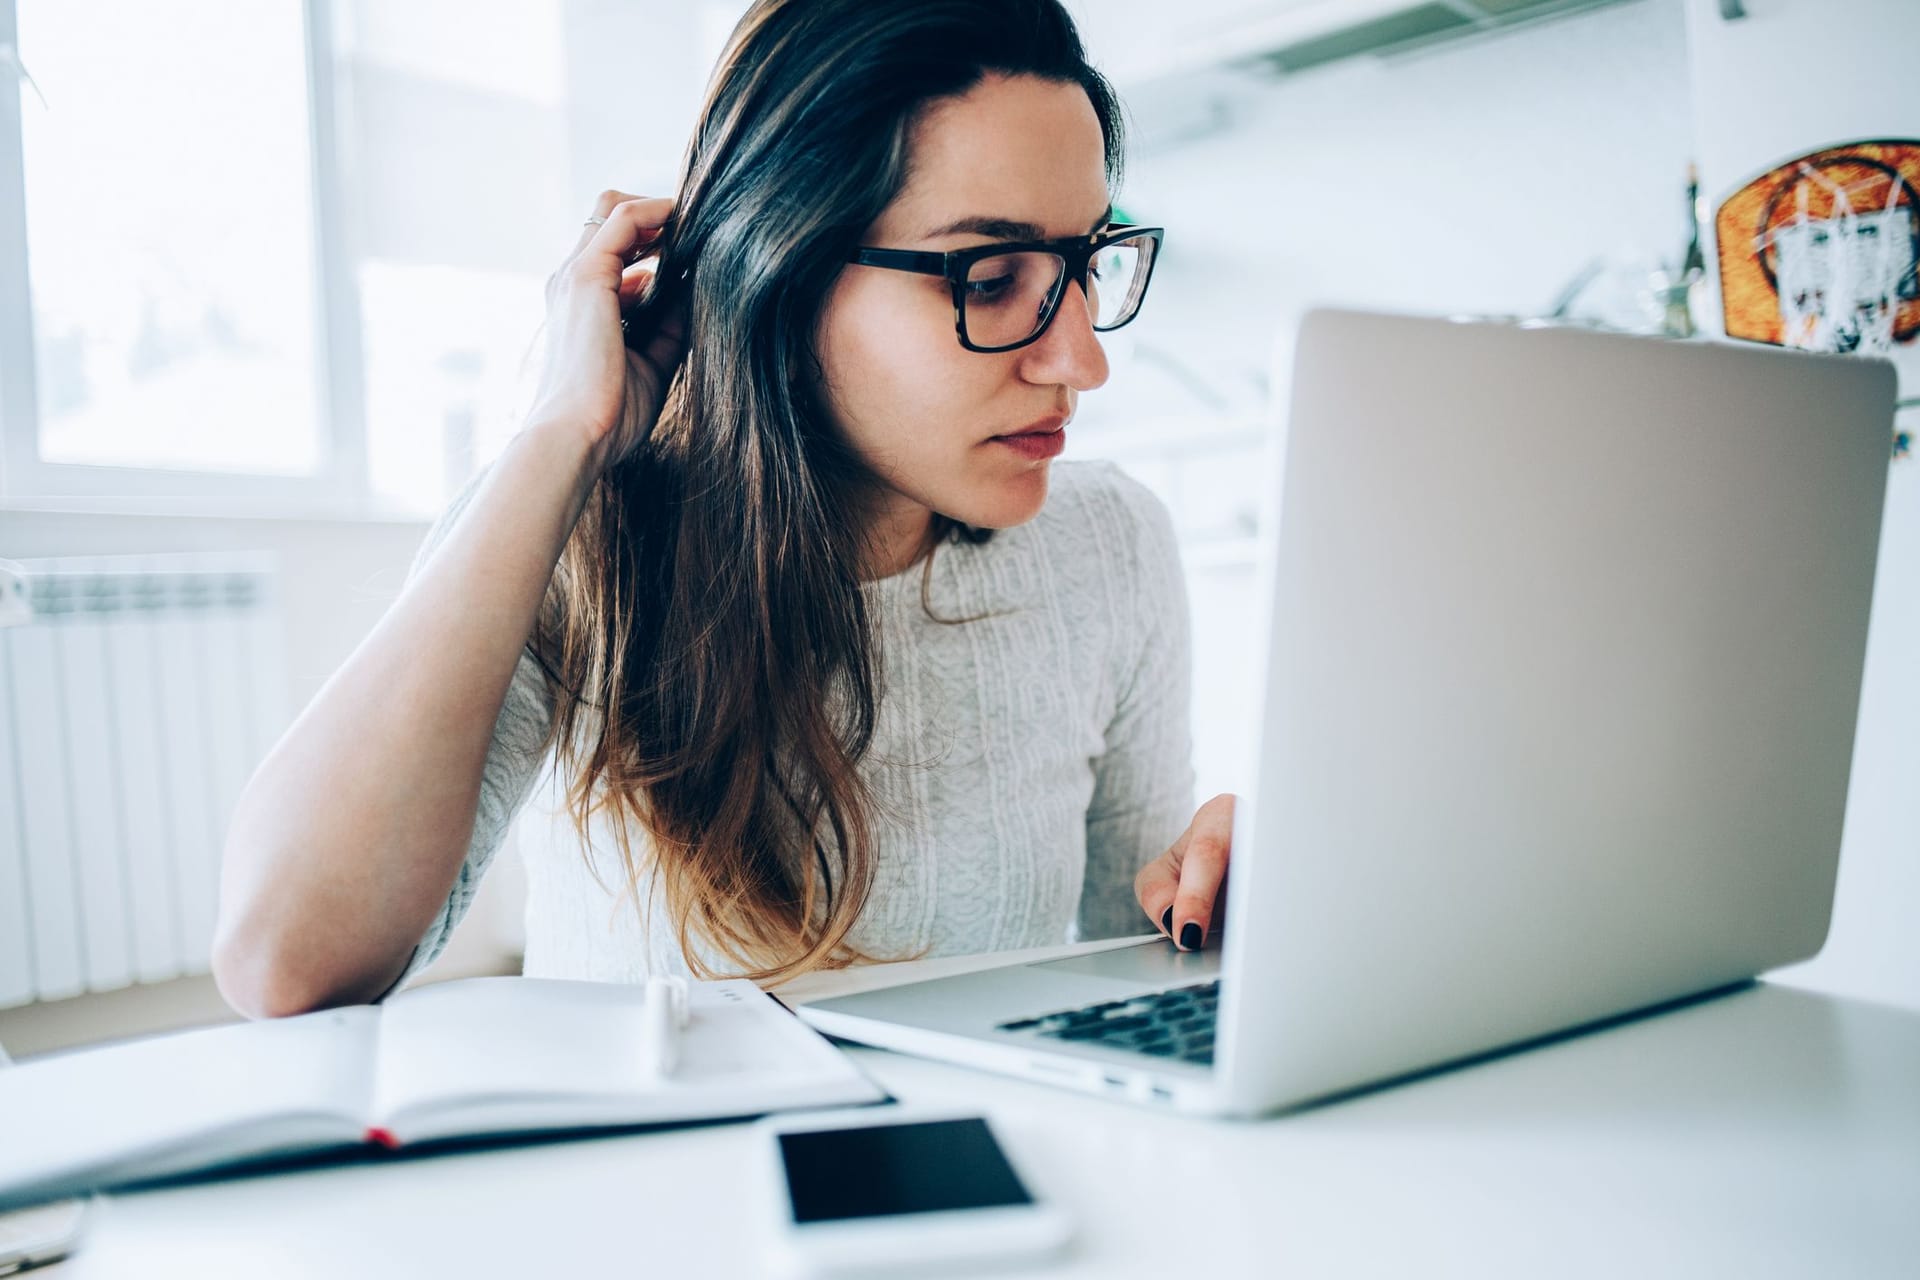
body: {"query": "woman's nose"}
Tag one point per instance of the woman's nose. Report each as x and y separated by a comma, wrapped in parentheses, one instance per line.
(1068, 352)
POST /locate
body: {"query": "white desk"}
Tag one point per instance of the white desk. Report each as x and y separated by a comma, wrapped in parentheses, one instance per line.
(1771, 1132)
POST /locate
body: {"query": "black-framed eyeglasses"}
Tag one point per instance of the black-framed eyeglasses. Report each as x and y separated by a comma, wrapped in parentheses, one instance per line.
(1005, 295)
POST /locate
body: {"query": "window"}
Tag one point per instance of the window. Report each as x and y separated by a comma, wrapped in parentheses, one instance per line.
(167, 339)
(273, 256)
(457, 153)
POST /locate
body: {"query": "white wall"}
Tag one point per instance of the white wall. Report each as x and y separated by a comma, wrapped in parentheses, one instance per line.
(1476, 177)
(636, 74)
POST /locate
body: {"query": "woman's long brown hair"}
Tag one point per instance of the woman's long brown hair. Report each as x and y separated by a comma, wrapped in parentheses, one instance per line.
(709, 649)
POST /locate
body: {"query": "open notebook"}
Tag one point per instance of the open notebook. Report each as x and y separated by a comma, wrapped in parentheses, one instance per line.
(471, 1058)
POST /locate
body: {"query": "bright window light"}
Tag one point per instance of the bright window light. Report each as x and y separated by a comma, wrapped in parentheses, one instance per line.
(447, 355)
(170, 234)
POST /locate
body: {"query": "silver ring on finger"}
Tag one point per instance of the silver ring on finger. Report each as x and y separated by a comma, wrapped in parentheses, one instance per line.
(594, 222)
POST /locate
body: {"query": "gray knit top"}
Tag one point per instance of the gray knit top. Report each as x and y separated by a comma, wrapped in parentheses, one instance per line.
(1025, 766)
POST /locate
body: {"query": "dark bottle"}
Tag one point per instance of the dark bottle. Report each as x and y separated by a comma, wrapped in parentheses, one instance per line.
(1693, 265)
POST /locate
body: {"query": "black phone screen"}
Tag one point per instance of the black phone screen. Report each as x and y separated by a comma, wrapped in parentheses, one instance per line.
(922, 1167)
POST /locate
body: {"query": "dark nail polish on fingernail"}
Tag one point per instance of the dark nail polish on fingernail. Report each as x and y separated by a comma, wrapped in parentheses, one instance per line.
(1166, 922)
(1190, 936)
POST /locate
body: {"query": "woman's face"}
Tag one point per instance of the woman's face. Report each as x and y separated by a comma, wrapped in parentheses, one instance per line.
(920, 409)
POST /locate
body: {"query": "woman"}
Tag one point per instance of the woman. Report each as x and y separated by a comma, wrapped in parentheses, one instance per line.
(774, 570)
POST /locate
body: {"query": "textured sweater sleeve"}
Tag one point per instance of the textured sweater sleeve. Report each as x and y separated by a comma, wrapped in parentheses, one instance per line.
(513, 764)
(1144, 779)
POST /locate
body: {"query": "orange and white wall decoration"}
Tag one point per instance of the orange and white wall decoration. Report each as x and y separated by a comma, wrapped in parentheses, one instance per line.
(1820, 252)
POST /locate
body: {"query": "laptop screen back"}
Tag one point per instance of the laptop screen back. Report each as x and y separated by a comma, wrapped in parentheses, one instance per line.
(1567, 640)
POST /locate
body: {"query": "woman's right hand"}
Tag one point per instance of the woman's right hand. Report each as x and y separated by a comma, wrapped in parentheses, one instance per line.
(591, 381)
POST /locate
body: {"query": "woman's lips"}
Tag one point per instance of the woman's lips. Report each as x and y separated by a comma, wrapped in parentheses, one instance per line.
(1036, 445)
(1043, 440)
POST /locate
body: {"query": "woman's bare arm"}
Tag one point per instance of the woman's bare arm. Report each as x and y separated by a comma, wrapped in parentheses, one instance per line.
(350, 834)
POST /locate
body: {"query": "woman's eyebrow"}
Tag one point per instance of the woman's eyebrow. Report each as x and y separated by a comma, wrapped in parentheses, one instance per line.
(1007, 228)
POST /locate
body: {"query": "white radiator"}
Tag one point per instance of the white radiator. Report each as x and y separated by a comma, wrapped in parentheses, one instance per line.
(136, 695)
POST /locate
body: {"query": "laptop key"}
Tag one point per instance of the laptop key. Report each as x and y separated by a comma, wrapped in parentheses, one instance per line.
(1127, 1024)
(1084, 1032)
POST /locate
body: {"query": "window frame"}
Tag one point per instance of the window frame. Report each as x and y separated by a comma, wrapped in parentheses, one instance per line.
(339, 488)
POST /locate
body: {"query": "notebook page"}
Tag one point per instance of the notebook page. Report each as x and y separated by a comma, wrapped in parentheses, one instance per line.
(186, 1099)
(506, 1038)
(502, 1054)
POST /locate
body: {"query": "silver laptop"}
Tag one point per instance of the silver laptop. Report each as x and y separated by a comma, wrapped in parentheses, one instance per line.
(1567, 631)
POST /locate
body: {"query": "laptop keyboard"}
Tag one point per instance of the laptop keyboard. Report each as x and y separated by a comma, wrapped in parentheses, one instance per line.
(1165, 1024)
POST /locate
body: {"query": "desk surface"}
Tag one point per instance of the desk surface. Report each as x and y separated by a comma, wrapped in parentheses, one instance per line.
(1769, 1132)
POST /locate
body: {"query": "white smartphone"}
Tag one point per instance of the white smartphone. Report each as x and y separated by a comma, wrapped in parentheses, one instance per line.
(45, 1233)
(882, 1191)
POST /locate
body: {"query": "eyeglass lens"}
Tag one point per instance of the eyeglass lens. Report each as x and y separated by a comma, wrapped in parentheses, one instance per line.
(1009, 295)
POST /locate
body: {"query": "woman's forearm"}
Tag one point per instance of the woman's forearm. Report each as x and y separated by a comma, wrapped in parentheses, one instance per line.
(348, 837)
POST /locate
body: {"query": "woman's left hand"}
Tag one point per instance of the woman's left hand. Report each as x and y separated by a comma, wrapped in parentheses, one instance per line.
(1184, 890)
